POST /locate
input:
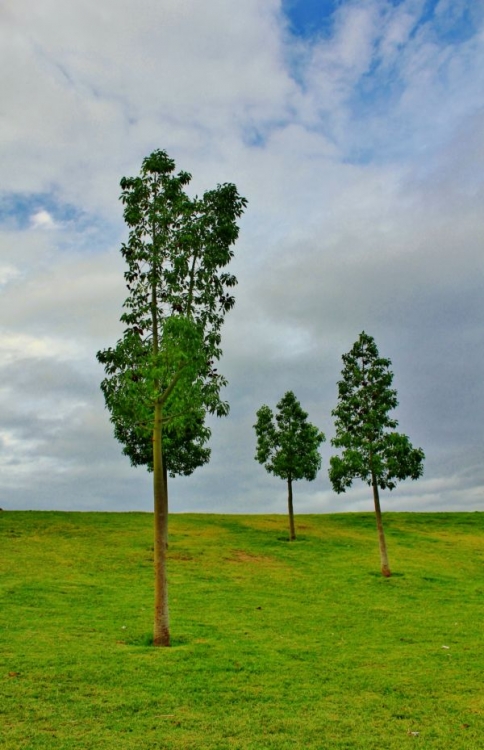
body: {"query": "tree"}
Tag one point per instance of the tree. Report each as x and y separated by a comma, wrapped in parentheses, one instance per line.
(288, 447)
(160, 376)
(372, 450)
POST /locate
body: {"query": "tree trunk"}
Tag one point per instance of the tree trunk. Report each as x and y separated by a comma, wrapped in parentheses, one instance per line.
(292, 530)
(161, 629)
(385, 568)
(161, 632)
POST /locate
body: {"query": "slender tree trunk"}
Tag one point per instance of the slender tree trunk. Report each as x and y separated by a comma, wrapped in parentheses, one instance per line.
(292, 530)
(161, 631)
(385, 568)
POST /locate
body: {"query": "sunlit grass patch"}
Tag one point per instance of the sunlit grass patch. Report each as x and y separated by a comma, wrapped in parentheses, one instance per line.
(275, 644)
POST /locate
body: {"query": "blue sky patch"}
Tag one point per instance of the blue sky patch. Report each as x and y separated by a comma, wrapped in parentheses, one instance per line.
(42, 211)
(309, 18)
(18, 209)
(253, 136)
(452, 22)
(459, 23)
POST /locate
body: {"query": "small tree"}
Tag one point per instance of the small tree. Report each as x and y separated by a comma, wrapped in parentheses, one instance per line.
(372, 451)
(288, 447)
(160, 377)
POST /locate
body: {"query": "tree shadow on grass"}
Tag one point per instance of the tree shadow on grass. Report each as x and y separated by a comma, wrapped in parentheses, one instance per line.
(293, 541)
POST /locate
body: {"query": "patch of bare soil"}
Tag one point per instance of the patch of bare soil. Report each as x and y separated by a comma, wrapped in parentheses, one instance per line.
(241, 556)
(180, 555)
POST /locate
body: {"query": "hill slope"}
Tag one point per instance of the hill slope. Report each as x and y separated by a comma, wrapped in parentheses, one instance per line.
(276, 644)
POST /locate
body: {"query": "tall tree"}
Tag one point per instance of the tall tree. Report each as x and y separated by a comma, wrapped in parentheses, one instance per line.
(372, 450)
(288, 446)
(160, 376)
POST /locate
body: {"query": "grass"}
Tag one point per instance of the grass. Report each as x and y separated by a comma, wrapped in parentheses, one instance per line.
(276, 645)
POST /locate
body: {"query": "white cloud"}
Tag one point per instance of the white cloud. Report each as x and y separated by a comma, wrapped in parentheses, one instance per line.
(7, 274)
(121, 80)
(14, 346)
(42, 220)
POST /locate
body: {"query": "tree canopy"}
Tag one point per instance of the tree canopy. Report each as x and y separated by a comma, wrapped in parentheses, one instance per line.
(184, 446)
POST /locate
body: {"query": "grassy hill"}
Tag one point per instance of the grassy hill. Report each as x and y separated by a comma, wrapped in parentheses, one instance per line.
(275, 644)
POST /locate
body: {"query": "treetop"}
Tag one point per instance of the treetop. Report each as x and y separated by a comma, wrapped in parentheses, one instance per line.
(372, 450)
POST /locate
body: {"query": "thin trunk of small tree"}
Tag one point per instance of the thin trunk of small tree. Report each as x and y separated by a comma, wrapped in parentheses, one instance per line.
(292, 530)
(385, 568)
(161, 630)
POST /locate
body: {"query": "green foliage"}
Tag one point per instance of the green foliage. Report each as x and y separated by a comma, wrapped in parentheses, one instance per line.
(128, 395)
(364, 428)
(277, 646)
(288, 446)
(178, 297)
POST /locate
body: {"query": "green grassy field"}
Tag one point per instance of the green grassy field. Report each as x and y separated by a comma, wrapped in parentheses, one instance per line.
(275, 644)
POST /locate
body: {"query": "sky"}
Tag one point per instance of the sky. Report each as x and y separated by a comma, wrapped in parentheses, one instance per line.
(354, 128)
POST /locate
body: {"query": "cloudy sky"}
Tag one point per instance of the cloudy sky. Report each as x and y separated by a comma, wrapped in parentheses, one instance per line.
(355, 128)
